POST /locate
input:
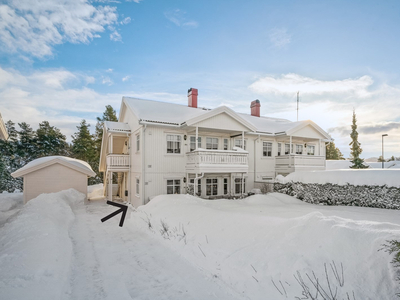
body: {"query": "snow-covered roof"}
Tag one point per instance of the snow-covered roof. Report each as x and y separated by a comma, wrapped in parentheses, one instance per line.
(178, 114)
(117, 126)
(3, 130)
(37, 164)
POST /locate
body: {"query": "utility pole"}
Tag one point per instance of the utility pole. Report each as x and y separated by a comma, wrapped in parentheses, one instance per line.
(298, 106)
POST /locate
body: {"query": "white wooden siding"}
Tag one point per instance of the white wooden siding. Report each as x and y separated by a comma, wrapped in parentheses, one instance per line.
(223, 122)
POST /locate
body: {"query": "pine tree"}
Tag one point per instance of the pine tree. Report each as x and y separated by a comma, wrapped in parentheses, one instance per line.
(83, 148)
(26, 144)
(108, 115)
(50, 141)
(380, 159)
(358, 163)
(332, 152)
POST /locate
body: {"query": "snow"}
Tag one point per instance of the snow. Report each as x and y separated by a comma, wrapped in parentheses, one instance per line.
(117, 126)
(380, 177)
(55, 247)
(44, 161)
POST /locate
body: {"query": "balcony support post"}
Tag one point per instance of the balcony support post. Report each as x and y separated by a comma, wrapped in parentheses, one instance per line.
(197, 138)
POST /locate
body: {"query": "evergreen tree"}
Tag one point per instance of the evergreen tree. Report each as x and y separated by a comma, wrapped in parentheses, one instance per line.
(358, 163)
(83, 148)
(50, 141)
(108, 115)
(26, 145)
(332, 152)
(380, 159)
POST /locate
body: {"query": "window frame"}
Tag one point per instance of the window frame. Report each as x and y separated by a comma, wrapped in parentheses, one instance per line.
(177, 142)
(238, 182)
(194, 142)
(212, 143)
(287, 153)
(191, 181)
(265, 151)
(279, 149)
(137, 186)
(239, 141)
(311, 147)
(211, 186)
(297, 149)
(176, 183)
(138, 142)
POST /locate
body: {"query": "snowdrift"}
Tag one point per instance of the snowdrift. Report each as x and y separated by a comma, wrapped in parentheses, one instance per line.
(257, 245)
(36, 249)
(378, 177)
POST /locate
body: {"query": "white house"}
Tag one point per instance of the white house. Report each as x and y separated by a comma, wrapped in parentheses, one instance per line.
(164, 148)
(3, 130)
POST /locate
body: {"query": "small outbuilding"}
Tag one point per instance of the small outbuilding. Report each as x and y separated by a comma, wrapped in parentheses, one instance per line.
(53, 174)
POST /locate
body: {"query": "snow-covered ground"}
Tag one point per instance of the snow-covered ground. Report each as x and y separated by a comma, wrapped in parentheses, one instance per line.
(181, 247)
(380, 177)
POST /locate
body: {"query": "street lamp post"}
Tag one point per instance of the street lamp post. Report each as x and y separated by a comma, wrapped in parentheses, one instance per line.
(383, 160)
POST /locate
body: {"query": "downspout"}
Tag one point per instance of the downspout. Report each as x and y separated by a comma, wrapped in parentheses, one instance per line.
(129, 172)
(255, 156)
(195, 182)
(143, 164)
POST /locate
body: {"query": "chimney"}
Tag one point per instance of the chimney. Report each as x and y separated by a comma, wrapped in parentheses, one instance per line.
(192, 97)
(255, 108)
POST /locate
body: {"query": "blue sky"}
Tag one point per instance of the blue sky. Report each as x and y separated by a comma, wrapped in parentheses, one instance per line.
(62, 61)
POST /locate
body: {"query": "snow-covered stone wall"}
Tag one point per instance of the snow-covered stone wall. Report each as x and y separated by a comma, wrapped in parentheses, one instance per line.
(350, 195)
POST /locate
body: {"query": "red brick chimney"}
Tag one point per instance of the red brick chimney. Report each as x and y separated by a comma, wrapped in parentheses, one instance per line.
(255, 108)
(192, 97)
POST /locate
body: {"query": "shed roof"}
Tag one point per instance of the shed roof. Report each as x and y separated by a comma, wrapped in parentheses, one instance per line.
(37, 164)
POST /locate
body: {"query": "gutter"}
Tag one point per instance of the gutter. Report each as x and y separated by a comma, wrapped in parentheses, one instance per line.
(143, 165)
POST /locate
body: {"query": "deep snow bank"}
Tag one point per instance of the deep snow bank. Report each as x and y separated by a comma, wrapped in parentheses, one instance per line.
(35, 248)
(253, 243)
(342, 177)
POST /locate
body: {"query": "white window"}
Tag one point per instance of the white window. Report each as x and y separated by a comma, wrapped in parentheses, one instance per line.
(173, 143)
(225, 186)
(299, 149)
(193, 143)
(238, 143)
(138, 143)
(198, 191)
(173, 186)
(279, 149)
(212, 143)
(310, 150)
(211, 186)
(137, 186)
(267, 149)
(287, 148)
(225, 144)
(238, 185)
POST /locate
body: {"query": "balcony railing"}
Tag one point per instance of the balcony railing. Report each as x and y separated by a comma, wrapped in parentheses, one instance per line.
(215, 161)
(118, 161)
(294, 162)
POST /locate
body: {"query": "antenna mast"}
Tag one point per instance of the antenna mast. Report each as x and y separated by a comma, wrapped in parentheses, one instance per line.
(298, 106)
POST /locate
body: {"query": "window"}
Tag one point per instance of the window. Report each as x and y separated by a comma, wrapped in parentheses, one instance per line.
(173, 143)
(212, 143)
(310, 150)
(138, 143)
(225, 186)
(225, 144)
(238, 185)
(193, 143)
(279, 149)
(287, 148)
(238, 143)
(211, 186)
(137, 186)
(198, 193)
(299, 149)
(267, 149)
(173, 186)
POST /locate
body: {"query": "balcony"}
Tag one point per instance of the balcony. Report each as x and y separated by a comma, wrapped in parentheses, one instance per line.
(216, 161)
(118, 162)
(286, 164)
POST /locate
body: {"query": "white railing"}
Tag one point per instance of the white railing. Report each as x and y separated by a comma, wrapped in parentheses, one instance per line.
(217, 157)
(118, 161)
(294, 162)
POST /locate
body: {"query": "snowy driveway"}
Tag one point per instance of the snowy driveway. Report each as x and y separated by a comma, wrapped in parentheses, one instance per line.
(57, 248)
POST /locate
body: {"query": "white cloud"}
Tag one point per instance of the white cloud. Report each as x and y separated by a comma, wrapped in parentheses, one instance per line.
(177, 17)
(107, 80)
(279, 37)
(291, 83)
(126, 78)
(125, 21)
(49, 95)
(35, 27)
(109, 70)
(115, 36)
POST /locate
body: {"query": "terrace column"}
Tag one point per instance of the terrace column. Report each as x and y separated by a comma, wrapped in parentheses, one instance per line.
(291, 145)
(242, 183)
(243, 140)
(197, 138)
(110, 185)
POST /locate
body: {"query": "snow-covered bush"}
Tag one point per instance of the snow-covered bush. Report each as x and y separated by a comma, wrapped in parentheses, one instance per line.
(350, 195)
